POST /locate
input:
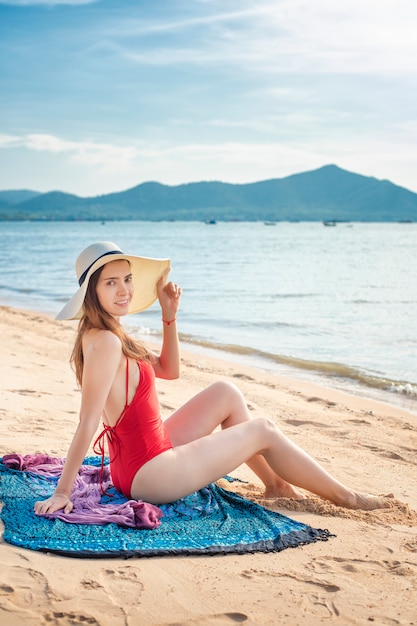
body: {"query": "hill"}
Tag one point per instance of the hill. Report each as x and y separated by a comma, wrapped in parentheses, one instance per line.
(328, 193)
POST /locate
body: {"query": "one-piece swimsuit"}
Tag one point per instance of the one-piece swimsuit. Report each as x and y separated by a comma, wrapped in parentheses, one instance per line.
(139, 433)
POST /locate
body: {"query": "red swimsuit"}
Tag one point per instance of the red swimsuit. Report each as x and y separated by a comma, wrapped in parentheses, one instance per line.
(138, 435)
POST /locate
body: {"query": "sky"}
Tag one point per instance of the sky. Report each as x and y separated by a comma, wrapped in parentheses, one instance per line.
(98, 96)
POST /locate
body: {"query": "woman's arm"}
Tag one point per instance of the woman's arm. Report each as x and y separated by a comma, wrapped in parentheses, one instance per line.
(167, 364)
(101, 360)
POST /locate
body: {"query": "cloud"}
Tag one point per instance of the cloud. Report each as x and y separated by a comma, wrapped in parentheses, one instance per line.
(276, 37)
(46, 162)
(9, 141)
(88, 153)
(142, 27)
(174, 160)
(348, 37)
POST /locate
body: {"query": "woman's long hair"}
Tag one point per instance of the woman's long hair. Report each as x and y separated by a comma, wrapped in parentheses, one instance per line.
(94, 316)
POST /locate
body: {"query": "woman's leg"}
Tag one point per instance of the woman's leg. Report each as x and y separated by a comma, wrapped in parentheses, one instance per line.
(222, 404)
(190, 466)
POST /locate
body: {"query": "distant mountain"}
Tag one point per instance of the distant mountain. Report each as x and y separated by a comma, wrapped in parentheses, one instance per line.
(14, 197)
(326, 194)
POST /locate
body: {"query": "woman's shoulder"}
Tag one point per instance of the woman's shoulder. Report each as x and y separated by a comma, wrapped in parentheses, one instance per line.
(103, 341)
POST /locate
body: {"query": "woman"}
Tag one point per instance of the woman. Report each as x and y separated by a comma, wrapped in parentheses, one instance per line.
(157, 461)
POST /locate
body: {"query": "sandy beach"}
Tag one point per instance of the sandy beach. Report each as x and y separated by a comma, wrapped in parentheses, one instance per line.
(366, 574)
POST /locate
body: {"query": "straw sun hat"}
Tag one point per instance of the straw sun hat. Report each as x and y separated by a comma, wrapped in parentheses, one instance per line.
(146, 273)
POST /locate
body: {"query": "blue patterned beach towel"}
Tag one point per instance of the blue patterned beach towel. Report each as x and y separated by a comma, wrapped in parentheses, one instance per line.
(210, 521)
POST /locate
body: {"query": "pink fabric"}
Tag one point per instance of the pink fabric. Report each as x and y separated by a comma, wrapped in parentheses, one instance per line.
(86, 494)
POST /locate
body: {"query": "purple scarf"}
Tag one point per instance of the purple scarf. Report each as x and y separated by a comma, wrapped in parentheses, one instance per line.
(86, 494)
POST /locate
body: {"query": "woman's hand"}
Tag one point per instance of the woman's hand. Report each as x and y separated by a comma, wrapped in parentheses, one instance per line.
(169, 295)
(56, 502)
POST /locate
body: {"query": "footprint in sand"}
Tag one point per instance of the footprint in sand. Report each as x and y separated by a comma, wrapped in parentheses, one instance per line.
(218, 619)
(167, 407)
(327, 403)
(90, 584)
(321, 594)
(294, 422)
(28, 599)
(389, 454)
(26, 588)
(123, 585)
(411, 546)
(63, 618)
(261, 575)
(26, 392)
(243, 377)
(387, 566)
(24, 595)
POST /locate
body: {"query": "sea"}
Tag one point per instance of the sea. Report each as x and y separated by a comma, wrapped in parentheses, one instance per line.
(335, 305)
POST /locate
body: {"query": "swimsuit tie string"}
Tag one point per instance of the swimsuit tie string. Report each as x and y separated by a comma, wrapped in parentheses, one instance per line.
(98, 448)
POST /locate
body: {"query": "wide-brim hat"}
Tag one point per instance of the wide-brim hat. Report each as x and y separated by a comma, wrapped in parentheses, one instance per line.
(146, 273)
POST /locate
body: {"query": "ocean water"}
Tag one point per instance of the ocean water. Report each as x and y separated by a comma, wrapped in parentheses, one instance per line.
(334, 305)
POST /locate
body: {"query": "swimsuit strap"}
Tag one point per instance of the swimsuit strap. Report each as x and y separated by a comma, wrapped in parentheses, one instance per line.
(127, 383)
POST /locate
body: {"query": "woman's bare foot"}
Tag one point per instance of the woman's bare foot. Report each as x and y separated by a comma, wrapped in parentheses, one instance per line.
(365, 502)
(282, 489)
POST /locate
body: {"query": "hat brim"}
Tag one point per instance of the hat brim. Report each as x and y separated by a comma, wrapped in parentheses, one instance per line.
(146, 272)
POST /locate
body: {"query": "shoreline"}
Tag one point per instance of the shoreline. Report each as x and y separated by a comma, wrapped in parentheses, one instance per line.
(350, 386)
(365, 573)
(345, 378)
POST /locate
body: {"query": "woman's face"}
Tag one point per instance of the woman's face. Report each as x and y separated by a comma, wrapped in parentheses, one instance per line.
(115, 288)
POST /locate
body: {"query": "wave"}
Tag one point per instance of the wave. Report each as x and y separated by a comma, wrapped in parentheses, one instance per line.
(329, 369)
(284, 296)
(24, 290)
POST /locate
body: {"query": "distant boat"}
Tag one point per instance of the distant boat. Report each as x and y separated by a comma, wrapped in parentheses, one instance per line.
(270, 223)
(329, 223)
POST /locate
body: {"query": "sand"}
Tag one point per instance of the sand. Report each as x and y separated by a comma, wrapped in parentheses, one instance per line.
(366, 574)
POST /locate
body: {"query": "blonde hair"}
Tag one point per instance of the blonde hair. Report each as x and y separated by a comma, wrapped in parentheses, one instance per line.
(94, 316)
